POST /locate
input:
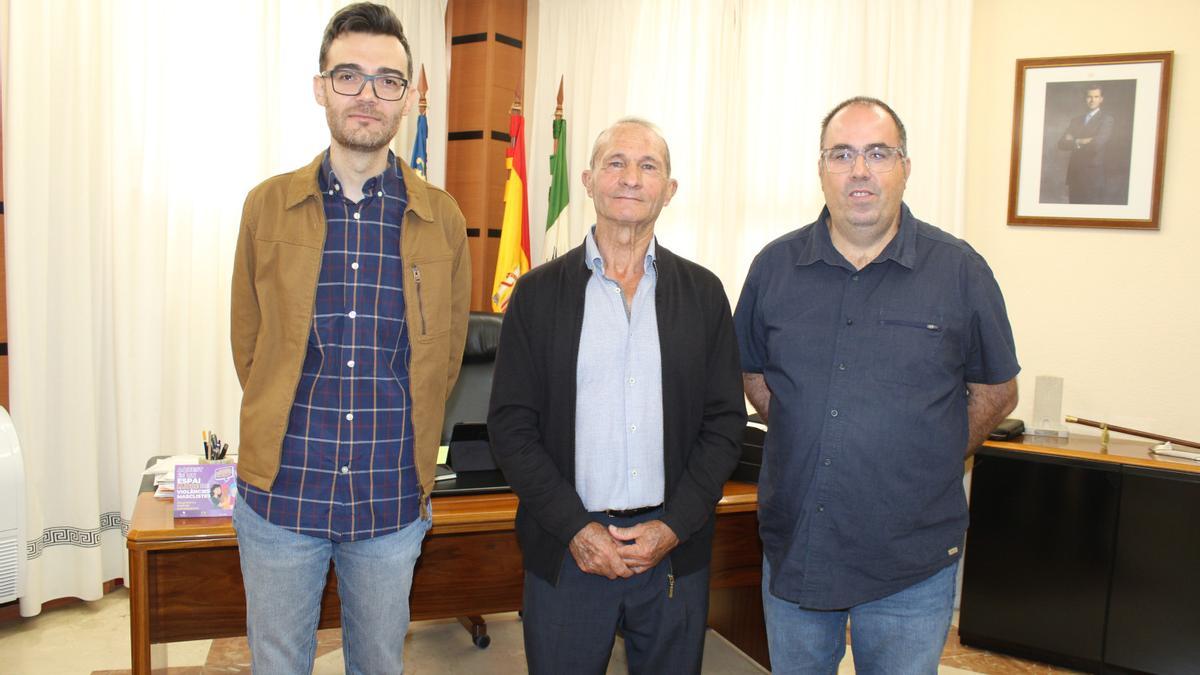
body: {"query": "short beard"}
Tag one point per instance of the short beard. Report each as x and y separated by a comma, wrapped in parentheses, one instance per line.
(361, 141)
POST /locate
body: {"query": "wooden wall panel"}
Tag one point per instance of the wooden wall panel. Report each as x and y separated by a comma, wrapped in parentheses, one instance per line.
(470, 16)
(487, 67)
(470, 159)
(468, 85)
(509, 20)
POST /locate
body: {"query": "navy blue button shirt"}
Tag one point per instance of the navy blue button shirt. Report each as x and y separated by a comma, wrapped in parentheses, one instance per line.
(346, 472)
(861, 489)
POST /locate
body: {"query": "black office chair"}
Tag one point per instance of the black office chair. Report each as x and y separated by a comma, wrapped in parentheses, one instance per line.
(469, 400)
(469, 403)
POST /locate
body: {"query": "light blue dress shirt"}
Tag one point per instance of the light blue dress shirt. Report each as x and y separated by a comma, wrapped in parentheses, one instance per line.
(618, 380)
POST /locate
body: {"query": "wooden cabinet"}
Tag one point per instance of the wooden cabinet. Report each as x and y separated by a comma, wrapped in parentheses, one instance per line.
(1087, 562)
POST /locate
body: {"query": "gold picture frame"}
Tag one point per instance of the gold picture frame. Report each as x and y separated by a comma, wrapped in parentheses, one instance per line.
(1088, 141)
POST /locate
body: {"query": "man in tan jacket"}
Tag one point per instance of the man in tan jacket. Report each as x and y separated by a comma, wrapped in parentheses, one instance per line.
(350, 299)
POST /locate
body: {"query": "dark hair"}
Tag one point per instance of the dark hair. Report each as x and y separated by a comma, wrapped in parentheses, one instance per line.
(868, 101)
(1094, 86)
(364, 17)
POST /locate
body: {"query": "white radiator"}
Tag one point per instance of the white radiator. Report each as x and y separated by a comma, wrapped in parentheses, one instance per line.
(12, 512)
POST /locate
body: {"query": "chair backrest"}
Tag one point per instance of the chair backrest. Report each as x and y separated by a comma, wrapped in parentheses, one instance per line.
(469, 400)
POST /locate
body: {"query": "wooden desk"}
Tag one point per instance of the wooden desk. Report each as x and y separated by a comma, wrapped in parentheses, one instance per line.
(1084, 558)
(186, 583)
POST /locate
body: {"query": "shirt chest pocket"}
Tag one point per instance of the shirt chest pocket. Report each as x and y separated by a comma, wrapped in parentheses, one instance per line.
(915, 347)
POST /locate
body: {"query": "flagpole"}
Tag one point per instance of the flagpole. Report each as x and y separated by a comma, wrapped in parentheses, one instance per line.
(422, 88)
(558, 110)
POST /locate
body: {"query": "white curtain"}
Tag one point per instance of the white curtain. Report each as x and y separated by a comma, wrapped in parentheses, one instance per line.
(739, 88)
(133, 130)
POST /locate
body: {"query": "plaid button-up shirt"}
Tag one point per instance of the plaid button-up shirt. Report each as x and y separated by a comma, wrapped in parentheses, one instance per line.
(347, 470)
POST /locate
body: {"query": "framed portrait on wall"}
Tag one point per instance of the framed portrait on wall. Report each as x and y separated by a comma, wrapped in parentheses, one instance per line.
(1089, 136)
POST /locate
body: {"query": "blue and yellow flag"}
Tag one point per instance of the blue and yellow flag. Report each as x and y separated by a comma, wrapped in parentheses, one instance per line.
(420, 153)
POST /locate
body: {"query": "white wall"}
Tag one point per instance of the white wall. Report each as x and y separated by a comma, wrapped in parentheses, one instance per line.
(1114, 312)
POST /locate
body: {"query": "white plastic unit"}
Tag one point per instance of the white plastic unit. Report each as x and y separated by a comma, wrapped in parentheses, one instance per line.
(12, 512)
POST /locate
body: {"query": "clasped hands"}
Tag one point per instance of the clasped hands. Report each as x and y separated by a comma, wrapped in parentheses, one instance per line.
(621, 552)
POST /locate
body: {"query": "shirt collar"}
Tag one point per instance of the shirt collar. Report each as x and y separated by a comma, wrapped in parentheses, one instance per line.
(389, 182)
(819, 247)
(595, 261)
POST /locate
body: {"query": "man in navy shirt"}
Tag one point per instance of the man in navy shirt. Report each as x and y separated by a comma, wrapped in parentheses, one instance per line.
(879, 349)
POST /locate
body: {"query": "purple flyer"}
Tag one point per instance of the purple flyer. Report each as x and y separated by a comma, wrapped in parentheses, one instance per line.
(205, 490)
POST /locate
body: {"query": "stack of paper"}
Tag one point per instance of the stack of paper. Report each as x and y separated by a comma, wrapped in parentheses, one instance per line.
(164, 473)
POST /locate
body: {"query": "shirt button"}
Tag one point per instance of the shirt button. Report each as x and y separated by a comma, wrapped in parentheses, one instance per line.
(841, 366)
(345, 469)
(849, 322)
(827, 461)
(337, 186)
(379, 194)
(633, 427)
(820, 508)
(854, 277)
(353, 265)
(352, 314)
(350, 363)
(633, 473)
(631, 380)
(331, 192)
(349, 417)
(833, 413)
(356, 215)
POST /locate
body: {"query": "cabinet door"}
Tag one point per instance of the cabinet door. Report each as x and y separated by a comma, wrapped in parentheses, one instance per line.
(1038, 556)
(1154, 614)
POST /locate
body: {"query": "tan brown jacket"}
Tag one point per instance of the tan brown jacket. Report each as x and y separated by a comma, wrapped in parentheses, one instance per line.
(275, 276)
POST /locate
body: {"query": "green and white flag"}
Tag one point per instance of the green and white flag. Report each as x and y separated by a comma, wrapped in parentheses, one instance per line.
(558, 234)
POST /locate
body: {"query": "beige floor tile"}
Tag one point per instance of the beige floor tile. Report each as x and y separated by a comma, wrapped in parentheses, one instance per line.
(70, 641)
(94, 638)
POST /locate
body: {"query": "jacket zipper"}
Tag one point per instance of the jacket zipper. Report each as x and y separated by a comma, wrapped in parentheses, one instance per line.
(667, 463)
(420, 303)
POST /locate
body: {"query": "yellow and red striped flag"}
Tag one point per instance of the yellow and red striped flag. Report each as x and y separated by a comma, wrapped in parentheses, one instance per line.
(513, 258)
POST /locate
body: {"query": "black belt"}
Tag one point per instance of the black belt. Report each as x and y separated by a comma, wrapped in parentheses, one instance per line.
(629, 513)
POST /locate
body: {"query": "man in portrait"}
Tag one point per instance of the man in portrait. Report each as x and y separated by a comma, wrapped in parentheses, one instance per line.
(1087, 138)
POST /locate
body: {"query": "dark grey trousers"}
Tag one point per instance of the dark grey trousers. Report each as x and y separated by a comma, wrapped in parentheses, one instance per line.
(570, 628)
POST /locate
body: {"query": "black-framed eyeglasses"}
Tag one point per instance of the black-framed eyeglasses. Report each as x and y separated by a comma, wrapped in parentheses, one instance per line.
(350, 82)
(878, 158)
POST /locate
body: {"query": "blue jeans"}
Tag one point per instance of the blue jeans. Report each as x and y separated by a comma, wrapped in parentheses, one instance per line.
(902, 633)
(284, 575)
